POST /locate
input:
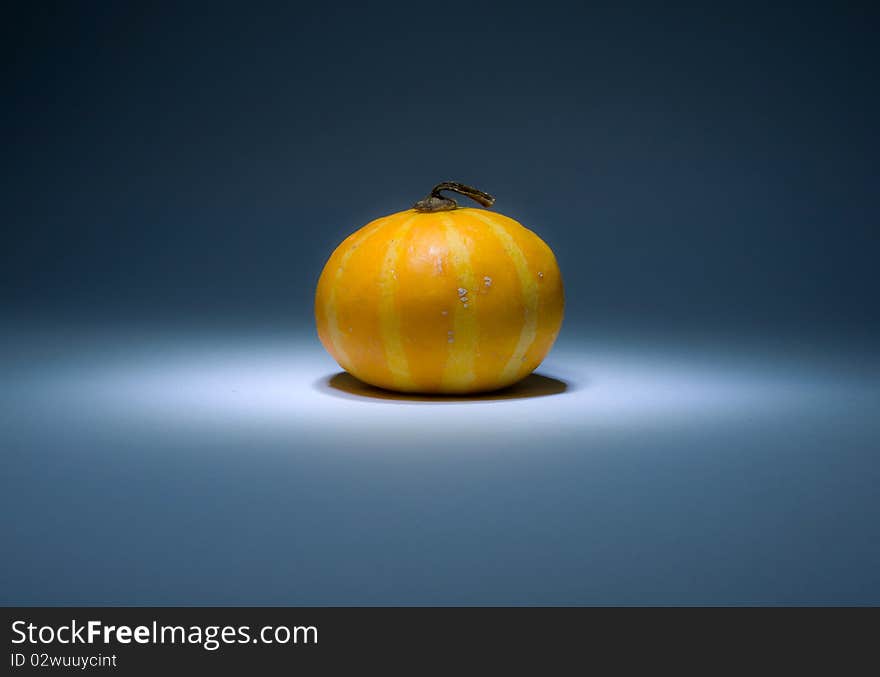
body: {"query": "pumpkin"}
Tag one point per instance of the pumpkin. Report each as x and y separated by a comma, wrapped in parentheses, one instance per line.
(440, 298)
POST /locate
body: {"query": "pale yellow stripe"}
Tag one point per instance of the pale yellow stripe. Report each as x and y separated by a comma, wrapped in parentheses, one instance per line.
(389, 318)
(336, 334)
(530, 297)
(459, 369)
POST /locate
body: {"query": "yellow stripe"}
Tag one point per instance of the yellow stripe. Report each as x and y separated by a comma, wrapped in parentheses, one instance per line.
(459, 370)
(389, 318)
(336, 335)
(530, 297)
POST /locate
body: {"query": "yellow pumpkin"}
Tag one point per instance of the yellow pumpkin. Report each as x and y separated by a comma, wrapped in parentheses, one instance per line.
(440, 299)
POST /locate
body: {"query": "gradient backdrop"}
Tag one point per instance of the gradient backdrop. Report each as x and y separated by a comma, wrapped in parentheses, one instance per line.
(174, 178)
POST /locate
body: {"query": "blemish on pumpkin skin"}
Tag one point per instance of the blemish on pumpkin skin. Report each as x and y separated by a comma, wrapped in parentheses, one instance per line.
(540, 275)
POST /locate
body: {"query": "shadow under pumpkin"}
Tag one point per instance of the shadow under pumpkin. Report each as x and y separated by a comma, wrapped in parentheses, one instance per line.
(343, 384)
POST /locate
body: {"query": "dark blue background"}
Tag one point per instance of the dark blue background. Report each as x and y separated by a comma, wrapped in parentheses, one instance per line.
(709, 166)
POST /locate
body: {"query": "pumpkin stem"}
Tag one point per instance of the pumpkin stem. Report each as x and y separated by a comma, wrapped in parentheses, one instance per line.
(437, 203)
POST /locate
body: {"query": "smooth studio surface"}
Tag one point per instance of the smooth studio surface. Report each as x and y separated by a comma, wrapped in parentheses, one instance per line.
(220, 468)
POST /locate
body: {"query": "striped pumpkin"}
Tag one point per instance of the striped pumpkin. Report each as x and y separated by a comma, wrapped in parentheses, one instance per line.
(452, 300)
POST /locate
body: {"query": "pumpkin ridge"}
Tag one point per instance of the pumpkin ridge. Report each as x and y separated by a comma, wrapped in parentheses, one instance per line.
(334, 334)
(529, 331)
(459, 369)
(389, 319)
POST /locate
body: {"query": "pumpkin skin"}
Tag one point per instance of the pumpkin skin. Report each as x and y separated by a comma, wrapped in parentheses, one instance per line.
(448, 302)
